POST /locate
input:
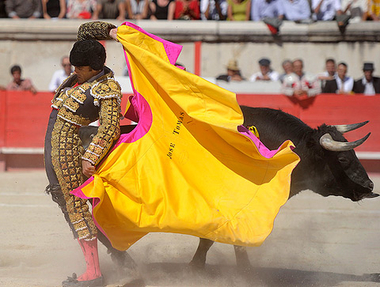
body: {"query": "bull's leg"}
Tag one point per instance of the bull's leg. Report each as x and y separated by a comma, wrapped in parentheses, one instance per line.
(199, 258)
(121, 258)
(242, 260)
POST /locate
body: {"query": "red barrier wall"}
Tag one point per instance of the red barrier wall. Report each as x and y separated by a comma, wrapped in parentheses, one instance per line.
(24, 116)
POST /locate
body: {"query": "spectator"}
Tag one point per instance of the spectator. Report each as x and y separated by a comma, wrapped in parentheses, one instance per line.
(109, 9)
(18, 84)
(355, 8)
(55, 9)
(233, 73)
(17, 9)
(329, 73)
(213, 9)
(341, 84)
(238, 10)
(296, 10)
(326, 10)
(287, 66)
(299, 84)
(60, 75)
(266, 9)
(367, 85)
(373, 11)
(162, 9)
(186, 10)
(80, 9)
(137, 9)
(266, 73)
(3, 13)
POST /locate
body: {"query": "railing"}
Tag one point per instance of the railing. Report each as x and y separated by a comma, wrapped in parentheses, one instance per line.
(24, 117)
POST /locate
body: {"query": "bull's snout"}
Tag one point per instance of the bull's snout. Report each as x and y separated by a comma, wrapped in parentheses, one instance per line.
(369, 185)
(371, 195)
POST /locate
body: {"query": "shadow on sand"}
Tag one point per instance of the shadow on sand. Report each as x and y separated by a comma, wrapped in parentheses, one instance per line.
(181, 274)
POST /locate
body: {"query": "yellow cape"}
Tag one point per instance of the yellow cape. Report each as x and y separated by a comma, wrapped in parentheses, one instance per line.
(185, 168)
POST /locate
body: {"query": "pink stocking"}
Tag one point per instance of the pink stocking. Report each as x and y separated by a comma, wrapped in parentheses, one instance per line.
(90, 252)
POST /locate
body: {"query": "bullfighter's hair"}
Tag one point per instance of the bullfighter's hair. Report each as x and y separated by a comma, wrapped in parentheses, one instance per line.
(88, 53)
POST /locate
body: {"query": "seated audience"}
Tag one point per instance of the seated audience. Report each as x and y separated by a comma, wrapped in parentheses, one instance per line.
(162, 9)
(60, 75)
(238, 10)
(329, 73)
(368, 84)
(287, 66)
(186, 10)
(354, 8)
(373, 11)
(299, 84)
(23, 9)
(233, 73)
(213, 9)
(296, 10)
(341, 84)
(19, 84)
(109, 9)
(3, 13)
(326, 10)
(266, 73)
(55, 9)
(137, 9)
(261, 9)
(80, 9)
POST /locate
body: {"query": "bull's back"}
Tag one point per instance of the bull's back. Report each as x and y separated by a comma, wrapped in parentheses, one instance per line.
(275, 126)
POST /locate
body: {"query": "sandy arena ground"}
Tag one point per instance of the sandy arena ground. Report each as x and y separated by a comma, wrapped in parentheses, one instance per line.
(316, 241)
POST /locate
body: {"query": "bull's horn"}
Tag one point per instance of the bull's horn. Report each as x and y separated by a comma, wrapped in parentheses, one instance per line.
(328, 143)
(347, 128)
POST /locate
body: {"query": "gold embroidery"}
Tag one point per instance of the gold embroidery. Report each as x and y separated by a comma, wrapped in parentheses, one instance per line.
(71, 104)
(71, 118)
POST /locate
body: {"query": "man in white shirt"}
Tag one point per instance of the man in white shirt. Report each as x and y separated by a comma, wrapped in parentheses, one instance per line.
(266, 73)
(342, 84)
(60, 75)
(326, 10)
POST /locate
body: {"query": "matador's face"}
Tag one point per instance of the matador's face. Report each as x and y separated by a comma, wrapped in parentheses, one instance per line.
(84, 73)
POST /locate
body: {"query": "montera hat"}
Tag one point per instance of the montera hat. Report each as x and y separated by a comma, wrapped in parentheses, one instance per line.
(264, 62)
(368, 67)
(88, 53)
(232, 65)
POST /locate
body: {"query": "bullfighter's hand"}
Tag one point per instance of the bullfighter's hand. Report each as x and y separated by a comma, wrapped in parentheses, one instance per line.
(87, 168)
(113, 34)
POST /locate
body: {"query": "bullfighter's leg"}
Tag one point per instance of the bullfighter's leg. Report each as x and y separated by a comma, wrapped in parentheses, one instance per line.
(199, 259)
(66, 159)
(242, 260)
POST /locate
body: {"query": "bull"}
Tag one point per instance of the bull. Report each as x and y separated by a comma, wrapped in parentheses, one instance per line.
(328, 165)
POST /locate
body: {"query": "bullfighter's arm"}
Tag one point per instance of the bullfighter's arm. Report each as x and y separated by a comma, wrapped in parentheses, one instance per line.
(96, 30)
(108, 132)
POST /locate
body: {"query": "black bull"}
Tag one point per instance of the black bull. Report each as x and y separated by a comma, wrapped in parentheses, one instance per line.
(328, 165)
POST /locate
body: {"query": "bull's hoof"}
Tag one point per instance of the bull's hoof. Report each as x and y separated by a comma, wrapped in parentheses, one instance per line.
(373, 277)
(123, 260)
(197, 264)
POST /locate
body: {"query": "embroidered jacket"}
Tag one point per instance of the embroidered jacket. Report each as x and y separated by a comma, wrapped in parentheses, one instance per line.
(98, 98)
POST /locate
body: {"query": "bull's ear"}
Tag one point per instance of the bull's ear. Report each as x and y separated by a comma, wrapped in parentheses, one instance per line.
(314, 149)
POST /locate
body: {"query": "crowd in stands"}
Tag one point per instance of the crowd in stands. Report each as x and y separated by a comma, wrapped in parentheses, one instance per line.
(295, 82)
(272, 12)
(302, 85)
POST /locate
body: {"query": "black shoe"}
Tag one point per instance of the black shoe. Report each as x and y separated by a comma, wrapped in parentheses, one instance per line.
(73, 282)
